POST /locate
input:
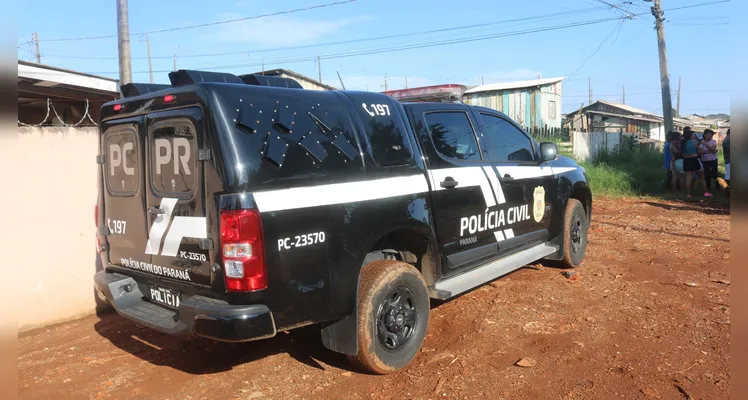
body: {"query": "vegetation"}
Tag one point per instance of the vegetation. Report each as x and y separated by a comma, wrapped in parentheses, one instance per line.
(627, 172)
(630, 171)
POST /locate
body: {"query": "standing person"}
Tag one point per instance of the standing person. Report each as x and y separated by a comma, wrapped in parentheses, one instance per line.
(667, 161)
(708, 151)
(691, 163)
(676, 164)
(726, 153)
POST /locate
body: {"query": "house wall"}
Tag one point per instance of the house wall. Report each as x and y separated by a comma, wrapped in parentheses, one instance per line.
(534, 107)
(50, 229)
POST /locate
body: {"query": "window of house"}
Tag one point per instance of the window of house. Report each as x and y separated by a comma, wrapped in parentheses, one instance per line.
(551, 109)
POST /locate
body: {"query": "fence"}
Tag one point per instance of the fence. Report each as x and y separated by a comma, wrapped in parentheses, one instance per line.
(549, 133)
(587, 146)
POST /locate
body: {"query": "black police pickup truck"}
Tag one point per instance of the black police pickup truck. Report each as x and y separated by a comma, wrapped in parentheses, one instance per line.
(233, 207)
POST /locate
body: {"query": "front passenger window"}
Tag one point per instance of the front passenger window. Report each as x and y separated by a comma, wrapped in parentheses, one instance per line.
(504, 142)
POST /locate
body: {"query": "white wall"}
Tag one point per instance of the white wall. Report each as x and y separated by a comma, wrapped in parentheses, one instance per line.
(51, 223)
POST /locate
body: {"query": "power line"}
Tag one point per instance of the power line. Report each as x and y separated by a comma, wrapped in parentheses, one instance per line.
(697, 5)
(617, 28)
(648, 93)
(207, 24)
(409, 47)
(626, 12)
(400, 35)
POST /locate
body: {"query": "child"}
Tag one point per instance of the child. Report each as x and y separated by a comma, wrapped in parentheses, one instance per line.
(676, 160)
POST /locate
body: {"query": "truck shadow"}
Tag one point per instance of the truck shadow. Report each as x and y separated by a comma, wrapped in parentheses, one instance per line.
(199, 356)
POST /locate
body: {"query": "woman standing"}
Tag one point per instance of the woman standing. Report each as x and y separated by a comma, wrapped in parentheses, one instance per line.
(691, 163)
(676, 160)
(708, 151)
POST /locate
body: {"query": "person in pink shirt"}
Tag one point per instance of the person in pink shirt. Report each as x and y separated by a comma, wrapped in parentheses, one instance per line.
(708, 155)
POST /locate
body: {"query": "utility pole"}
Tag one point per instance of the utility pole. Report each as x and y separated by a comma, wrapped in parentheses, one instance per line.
(175, 62)
(38, 55)
(624, 94)
(341, 80)
(667, 103)
(150, 63)
(482, 82)
(677, 108)
(319, 69)
(123, 35)
(406, 82)
(589, 88)
(263, 65)
(385, 82)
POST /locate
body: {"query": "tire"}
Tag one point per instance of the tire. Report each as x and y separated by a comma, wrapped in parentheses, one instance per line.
(393, 315)
(575, 234)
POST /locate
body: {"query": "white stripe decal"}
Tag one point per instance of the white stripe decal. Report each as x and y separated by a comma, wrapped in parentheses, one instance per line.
(525, 171)
(465, 177)
(509, 233)
(339, 193)
(499, 236)
(561, 170)
(182, 227)
(159, 226)
(493, 179)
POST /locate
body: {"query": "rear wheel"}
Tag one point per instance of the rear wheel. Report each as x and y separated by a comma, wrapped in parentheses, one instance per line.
(575, 234)
(393, 315)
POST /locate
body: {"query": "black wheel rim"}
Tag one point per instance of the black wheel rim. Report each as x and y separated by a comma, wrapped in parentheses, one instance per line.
(396, 318)
(577, 234)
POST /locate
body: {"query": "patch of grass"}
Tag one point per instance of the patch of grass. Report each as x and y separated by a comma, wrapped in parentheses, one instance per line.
(627, 173)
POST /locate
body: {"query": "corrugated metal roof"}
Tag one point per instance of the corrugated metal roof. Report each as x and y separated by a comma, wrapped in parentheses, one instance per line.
(628, 108)
(49, 76)
(514, 85)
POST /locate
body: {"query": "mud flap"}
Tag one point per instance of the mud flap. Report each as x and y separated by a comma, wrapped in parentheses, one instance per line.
(342, 336)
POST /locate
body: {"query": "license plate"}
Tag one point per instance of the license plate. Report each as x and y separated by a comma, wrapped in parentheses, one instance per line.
(167, 297)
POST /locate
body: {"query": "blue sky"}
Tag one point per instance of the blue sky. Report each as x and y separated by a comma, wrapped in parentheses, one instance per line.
(617, 52)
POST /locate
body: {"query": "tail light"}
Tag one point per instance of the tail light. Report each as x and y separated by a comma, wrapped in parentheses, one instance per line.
(243, 250)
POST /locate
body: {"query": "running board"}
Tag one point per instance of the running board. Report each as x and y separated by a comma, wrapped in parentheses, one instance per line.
(462, 283)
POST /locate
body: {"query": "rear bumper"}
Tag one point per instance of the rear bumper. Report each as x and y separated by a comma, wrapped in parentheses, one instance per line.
(198, 315)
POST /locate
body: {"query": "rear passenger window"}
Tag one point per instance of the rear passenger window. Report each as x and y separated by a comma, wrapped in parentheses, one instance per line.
(453, 136)
(384, 127)
(173, 159)
(122, 161)
(504, 142)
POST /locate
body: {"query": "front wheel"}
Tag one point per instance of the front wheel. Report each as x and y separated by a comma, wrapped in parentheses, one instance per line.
(393, 315)
(575, 234)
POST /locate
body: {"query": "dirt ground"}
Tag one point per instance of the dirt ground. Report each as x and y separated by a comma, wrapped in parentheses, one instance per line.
(647, 316)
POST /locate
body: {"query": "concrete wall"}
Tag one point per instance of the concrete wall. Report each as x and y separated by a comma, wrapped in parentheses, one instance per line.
(52, 231)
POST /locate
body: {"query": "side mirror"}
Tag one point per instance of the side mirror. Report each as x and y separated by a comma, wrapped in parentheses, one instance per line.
(548, 151)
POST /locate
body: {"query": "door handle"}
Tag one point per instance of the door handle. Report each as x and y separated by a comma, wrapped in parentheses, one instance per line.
(156, 211)
(508, 177)
(448, 183)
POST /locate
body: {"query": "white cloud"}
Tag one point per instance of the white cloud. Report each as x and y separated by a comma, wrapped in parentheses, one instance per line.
(376, 83)
(504, 76)
(280, 30)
